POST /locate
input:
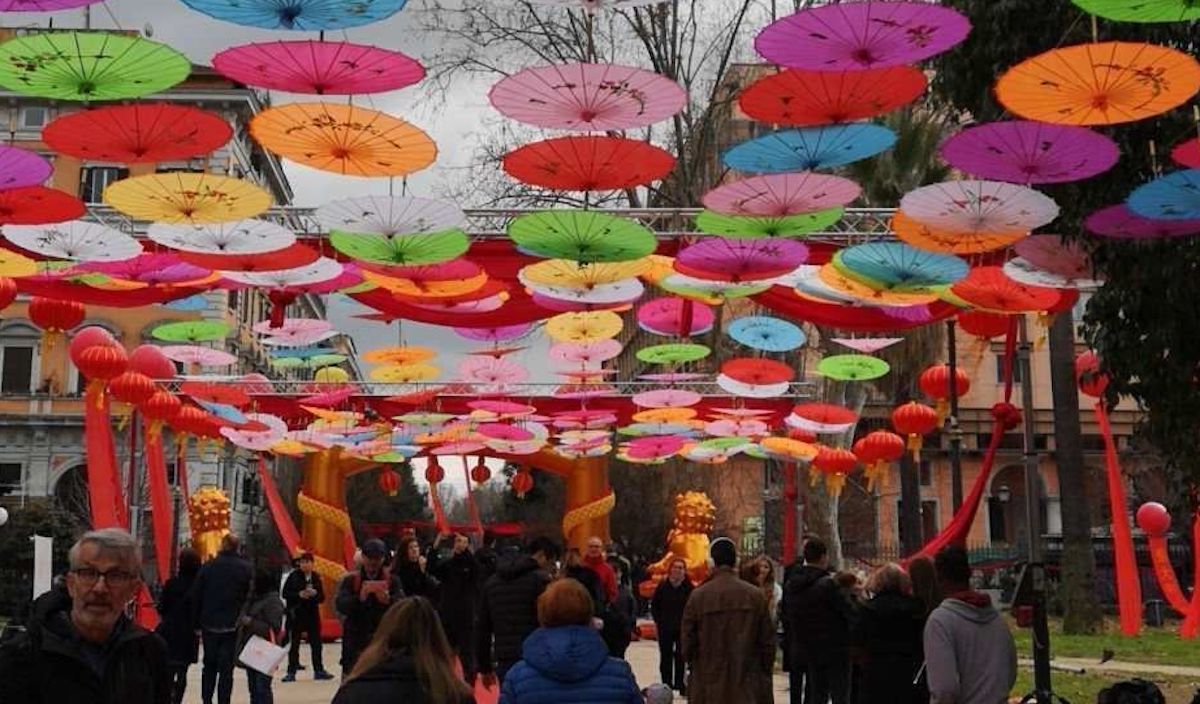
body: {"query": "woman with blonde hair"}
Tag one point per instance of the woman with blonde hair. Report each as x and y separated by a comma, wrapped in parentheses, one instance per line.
(886, 642)
(409, 660)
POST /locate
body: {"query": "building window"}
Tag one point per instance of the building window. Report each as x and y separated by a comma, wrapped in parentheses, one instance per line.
(1016, 372)
(34, 117)
(10, 478)
(16, 370)
(94, 179)
(251, 494)
(929, 520)
(231, 301)
(926, 473)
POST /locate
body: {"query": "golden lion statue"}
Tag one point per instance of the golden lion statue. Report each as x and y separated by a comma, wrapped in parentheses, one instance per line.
(208, 511)
(688, 539)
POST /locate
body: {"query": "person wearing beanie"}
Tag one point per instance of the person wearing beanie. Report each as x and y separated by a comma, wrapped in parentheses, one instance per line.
(728, 637)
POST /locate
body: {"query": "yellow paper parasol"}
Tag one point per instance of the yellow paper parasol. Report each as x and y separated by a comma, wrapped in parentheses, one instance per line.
(405, 373)
(344, 139)
(427, 289)
(664, 415)
(933, 239)
(399, 355)
(181, 197)
(787, 447)
(864, 290)
(588, 326)
(567, 273)
(16, 265)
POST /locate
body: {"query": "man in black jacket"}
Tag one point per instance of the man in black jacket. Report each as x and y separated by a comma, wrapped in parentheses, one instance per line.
(666, 607)
(508, 609)
(459, 577)
(79, 646)
(817, 624)
(304, 595)
(218, 597)
(363, 597)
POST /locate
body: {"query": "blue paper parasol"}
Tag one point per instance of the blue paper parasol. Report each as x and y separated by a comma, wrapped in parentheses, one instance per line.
(190, 304)
(224, 411)
(897, 266)
(1173, 197)
(808, 149)
(767, 334)
(299, 15)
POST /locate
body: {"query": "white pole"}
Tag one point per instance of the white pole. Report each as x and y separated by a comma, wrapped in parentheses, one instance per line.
(43, 564)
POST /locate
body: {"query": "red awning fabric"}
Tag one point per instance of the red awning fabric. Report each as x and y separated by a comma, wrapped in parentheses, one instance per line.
(786, 303)
(88, 295)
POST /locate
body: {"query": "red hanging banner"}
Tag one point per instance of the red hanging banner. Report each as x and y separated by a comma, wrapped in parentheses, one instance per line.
(102, 477)
(161, 511)
(1129, 588)
(279, 513)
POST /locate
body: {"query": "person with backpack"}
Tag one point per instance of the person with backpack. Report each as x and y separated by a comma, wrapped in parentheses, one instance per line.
(263, 618)
(364, 596)
(304, 594)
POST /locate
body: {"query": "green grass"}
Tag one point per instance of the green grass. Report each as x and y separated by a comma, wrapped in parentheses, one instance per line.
(1161, 646)
(1082, 689)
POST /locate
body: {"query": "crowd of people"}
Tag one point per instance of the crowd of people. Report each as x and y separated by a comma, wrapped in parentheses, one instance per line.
(543, 625)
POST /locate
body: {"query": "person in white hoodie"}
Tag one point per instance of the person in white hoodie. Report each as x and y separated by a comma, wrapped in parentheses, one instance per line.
(970, 657)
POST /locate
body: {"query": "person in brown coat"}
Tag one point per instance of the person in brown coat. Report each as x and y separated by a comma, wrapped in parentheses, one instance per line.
(728, 637)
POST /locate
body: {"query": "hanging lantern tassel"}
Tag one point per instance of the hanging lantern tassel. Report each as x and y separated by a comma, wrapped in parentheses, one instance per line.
(1044, 321)
(874, 472)
(813, 477)
(834, 483)
(915, 442)
(942, 406)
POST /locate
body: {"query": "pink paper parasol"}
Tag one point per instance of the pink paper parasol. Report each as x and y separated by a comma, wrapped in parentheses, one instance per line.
(298, 338)
(149, 269)
(782, 194)
(318, 67)
(258, 440)
(253, 383)
(666, 398)
(292, 326)
(1024, 151)
(510, 409)
(1056, 255)
(867, 345)
(736, 428)
(585, 353)
(329, 399)
(669, 316)
(580, 392)
(463, 447)
(852, 36)
(200, 356)
(1118, 222)
(560, 306)
(503, 333)
(739, 260)
(655, 446)
(20, 168)
(673, 377)
(492, 371)
(504, 431)
(616, 293)
(587, 97)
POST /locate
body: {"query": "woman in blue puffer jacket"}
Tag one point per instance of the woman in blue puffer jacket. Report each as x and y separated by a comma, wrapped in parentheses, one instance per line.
(566, 660)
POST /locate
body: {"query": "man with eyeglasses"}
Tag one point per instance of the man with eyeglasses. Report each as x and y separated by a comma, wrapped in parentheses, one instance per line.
(81, 646)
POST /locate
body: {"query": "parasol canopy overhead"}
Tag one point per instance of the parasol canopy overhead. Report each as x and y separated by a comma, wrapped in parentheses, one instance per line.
(588, 163)
(894, 265)
(387, 215)
(319, 271)
(237, 237)
(1175, 196)
(750, 227)
(571, 274)
(184, 197)
(767, 334)
(192, 331)
(780, 195)
(734, 260)
(1119, 222)
(76, 240)
(809, 148)
(952, 240)
(674, 353)
(585, 236)
(672, 316)
(988, 287)
(1187, 153)
(299, 15)
(852, 367)
(138, 133)
(319, 67)
(584, 327)
(20, 168)
(1142, 10)
(1027, 152)
(404, 250)
(979, 206)
(587, 97)
(798, 98)
(289, 257)
(37, 205)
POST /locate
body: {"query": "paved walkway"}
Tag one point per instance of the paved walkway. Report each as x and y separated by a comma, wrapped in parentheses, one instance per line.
(1119, 667)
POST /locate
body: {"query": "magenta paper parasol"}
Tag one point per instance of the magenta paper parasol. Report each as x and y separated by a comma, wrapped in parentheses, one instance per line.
(1056, 255)
(736, 428)
(579, 392)
(503, 431)
(673, 377)
(559, 305)
(253, 383)
(321, 68)
(851, 36)
(655, 446)
(483, 305)
(461, 447)
(666, 398)
(149, 269)
(585, 97)
(1119, 222)
(585, 353)
(669, 316)
(721, 259)
(200, 356)
(20, 168)
(502, 408)
(1023, 151)
(782, 194)
(502, 333)
(329, 399)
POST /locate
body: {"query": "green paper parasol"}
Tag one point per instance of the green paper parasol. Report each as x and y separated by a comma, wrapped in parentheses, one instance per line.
(1142, 10)
(747, 227)
(406, 250)
(581, 235)
(191, 331)
(711, 291)
(672, 353)
(287, 363)
(89, 66)
(852, 367)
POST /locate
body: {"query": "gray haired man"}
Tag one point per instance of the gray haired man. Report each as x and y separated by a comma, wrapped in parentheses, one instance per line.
(80, 646)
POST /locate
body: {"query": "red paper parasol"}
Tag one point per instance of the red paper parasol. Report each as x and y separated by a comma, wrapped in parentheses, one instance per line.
(990, 288)
(133, 134)
(295, 255)
(759, 372)
(588, 163)
(805, 98)
(319, 67)
(675, 317)
(213, 392)
(38, 205)
(1187, 153)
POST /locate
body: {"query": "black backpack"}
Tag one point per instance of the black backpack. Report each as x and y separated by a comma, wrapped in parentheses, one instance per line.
(1134, 691)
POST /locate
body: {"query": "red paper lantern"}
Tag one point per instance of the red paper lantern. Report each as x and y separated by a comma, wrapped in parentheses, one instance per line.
(1153, 518)
(161, 407)
(150, 360)
(54, 315)
(935, 383)
(8, 291)
(985, 326)
(522, 483)
(132, 387)
(876, 450)
(835, 463)
(480, 472)
(914, 420)
(102, 362)
(1087, 374)
(195, 421)
(434, 472)
(389, 481)
(91, 336)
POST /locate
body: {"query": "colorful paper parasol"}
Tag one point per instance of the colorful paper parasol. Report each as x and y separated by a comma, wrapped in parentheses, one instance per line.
(588, 163)
(677, 353)
(1175, 196)
(873, 293)
(1025, 272)
(1055, 255)
(299, 15)
(806, 98)
(979, 206)
(654, 447)
(16, 265)
(1142, 10)
(199, 356)
(616, 293)
(852, 367)
(1023, 151)
(289, 325)
(587, 353)
(666, 398)
(720, 259)
(491, 371)
(587, 97)
(298, 337)
(1118, 222)
(894, 265)
(37, 205)
(782, 194)
(745, 390)
(1099, 84)
(729, 428)
(582, 235)
(584, 327)
(809, 149)
(571, 274)
(860, 35)
(323, 269)
(405, 373)
(89, 66)
(20, 168)
(238, 237)
(387, 215)
(399, 355)
(675, 317)
(759, 227)
(140, 133)
(191, 331)
(954, 240)
(344, 139)
(767, 334)
(1187, 153)
(822, 418)
(711, 291)
(988, 287)
(867, 345)
(76, 240)
(184, 197)
(289, 257)
(318, 67)
(757, 371)
(502, 333)
(405, 250)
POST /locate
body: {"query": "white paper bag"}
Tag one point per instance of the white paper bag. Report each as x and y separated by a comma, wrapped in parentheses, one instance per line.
(261, 655)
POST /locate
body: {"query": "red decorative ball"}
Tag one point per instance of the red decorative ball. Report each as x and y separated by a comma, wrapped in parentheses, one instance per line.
(196, 421)
(914, 418)
(434, 472)
(935, 382)
(54, 315)
(8, 291)
(1008, 415)
(480, 472)
(162, 406)
(879, 446)
(132, 387)
(1087, 374)
(389, 481)
(150, 360)
(1154, 519)
(522, 483)
(102, 362)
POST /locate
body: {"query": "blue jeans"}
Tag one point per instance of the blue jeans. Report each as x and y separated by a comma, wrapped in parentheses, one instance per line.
(218, 666)
(260, 687)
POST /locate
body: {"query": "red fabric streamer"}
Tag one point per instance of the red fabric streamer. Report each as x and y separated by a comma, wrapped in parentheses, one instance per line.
(1165, 573)
(161, 513)
(145, 614)
(181, 477)
(279, 513)
(1191, 624)
(786, 303)
(439, 512)
(103, 480)
(476, 522)
(1129, 588)
(790, 494)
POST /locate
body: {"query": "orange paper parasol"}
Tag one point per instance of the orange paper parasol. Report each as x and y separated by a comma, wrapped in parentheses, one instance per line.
(947, 241)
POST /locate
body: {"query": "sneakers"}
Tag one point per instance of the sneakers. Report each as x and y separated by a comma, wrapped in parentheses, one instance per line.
(289, 677)
(322, 675)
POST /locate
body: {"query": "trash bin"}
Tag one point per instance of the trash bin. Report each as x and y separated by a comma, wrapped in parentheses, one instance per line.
(1155, 613)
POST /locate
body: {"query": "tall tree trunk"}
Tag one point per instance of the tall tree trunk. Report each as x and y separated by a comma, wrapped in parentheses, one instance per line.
(1081, 610)
(910, 505)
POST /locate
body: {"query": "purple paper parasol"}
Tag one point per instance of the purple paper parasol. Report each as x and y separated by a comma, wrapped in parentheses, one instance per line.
(851, 36)
(1030, 152)
(1118, 222)
(740, 260)
(20, 168)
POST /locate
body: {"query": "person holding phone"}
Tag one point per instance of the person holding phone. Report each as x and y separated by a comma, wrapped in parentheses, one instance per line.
(364, 596)
(304, 594)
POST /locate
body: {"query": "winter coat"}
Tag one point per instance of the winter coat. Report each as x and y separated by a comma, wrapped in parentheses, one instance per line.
(666, 606)
(48, 664)
(508, 610)
(264, 618)
(970, 657)
(459, 577)
(816, 616)
(177, 628)
(220, 591)
(360, 618)
(887, 644)
(416, 581)
(299, 609)
(607, 575)
(568, 664)
(393, 680)
(591, 582)
(619, 621)
(729, 642)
